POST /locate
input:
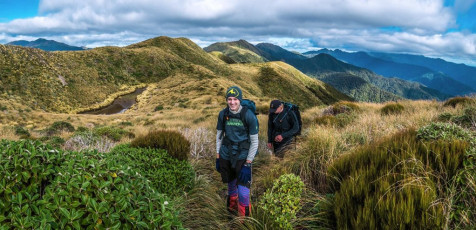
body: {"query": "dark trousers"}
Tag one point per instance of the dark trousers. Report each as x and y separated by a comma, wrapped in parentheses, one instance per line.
(228, 173)
(281, 147)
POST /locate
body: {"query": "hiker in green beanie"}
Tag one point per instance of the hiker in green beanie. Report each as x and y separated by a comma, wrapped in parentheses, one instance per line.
(237, 145)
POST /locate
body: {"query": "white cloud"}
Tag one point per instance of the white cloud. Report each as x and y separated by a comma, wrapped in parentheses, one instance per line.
(417, 26)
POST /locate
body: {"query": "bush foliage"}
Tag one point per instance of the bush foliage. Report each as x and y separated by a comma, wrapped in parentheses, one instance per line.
(442, 131)
(59, 126)
(44, 188)
(340, 120)
(344, 107)
(282, 201)
(453, 102)
(22, 132)
(113, 133)
(168, 175)
(394, 184)
(392, 108)
(175, 143)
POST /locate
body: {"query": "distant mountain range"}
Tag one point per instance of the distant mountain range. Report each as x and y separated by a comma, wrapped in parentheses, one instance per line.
(447, 77)
(47, 45)
(359, 83)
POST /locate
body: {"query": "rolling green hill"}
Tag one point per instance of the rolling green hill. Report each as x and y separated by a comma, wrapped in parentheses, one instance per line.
(76, 81)
(240, 51)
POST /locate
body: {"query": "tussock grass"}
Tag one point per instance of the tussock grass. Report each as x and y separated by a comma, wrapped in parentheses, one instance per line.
(318, 147)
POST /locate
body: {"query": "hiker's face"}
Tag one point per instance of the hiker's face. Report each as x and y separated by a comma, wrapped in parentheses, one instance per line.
(279, 109)
(233, 103)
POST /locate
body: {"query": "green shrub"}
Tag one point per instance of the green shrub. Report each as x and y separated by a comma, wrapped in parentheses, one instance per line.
(167, 175)
(282, 201)
(327, 120)
(44, 188)
(22, 132)
(126, 123)
(158, 108)
(355, 138)
(444, 117)
(59, 126)
(340, 120)
(344, 107)
(392, 108)
(81, 129)
(3, 108)
(468, 119)
(442, 131)
(175, 143)
(394, 184)
(54, 141)
(453, 102)
(113, 133)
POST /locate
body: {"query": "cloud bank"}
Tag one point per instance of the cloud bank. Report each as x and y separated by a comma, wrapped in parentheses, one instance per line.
(412, 26)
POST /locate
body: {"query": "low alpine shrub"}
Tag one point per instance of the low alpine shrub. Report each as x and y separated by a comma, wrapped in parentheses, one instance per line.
(44, 188)
(175, 143)
(453, 102)
(467, 119)
(158, 108)
(113, 133)
(392, 109)
(168, 175)
(396, 183)
(22, 132)
(54, 141)
(442, 131)
(344, 107)
(340, 120)
(282, 201)
(444, 117)
(59, 126)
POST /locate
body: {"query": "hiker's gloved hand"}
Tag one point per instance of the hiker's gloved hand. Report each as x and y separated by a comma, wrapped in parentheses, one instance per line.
(245, 173)
(217, 164)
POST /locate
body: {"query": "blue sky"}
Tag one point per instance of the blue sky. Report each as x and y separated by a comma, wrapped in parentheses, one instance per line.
(435, 28)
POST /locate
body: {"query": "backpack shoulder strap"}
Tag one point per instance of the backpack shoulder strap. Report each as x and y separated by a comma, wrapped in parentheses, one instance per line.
(226, 115)
(243, 112)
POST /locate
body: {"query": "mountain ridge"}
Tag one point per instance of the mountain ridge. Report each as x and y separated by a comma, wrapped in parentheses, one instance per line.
(47, 45)
(406, 71)
(321, 65)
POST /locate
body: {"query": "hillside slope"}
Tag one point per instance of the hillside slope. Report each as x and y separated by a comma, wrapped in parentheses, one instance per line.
(240, 51)
(75, 81)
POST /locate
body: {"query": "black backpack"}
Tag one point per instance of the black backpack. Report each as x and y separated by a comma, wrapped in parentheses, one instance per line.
(295, 108)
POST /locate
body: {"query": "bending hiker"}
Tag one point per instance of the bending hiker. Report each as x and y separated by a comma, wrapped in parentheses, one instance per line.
(283, 125)
(237, 145)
